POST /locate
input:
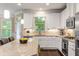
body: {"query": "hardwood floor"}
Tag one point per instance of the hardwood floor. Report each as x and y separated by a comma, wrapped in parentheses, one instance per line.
(49, 52)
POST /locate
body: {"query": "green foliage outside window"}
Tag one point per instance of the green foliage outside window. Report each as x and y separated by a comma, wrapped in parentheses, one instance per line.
(40, 24)
(6, 28)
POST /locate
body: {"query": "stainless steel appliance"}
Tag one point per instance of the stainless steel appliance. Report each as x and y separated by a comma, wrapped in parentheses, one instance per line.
(70, 22)
(77, 48)
(65, 46)
(77, 34)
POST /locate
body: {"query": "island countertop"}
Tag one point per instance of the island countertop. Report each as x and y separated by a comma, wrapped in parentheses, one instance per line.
(14, 48)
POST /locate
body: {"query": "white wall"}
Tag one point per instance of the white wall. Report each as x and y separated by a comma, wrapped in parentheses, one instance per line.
(52, 20)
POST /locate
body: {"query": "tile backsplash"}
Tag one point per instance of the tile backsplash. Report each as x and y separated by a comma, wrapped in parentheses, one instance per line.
(69, 33)
(28, 32)
(53, 32)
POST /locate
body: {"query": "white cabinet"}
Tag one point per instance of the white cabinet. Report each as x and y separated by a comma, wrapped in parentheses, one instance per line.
(77, 7)
(71, 48)
(28, 20)
(50, 42)
(64, 16)
(59, 43)
(72, 9)
(69, 11)
(52, 20)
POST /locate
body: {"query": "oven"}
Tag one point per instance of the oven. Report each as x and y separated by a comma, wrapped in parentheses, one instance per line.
(65, 46)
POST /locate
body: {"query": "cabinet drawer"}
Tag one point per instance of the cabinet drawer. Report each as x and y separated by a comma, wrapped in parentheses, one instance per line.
(71, 52)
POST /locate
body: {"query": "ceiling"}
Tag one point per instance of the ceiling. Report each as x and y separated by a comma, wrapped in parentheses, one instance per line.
(36, 6)
(33, 6)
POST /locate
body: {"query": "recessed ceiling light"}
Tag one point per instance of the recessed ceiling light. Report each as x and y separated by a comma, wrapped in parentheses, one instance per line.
(40, 9)
(19, 4)
(47, 4)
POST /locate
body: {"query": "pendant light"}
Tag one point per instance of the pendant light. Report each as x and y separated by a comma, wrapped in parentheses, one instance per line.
(6, 14)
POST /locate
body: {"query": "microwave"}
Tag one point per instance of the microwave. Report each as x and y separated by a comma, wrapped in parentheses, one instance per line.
(70, 23)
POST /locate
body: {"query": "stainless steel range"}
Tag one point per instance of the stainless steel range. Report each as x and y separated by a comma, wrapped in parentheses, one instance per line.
(65, 46)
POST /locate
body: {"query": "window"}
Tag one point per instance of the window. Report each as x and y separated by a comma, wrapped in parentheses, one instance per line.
(40, 24)
(6, 28)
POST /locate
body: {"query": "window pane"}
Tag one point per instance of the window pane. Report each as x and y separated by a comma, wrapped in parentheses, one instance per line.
(6, 33)
(6, 24)
(6, 28)
(40, 24)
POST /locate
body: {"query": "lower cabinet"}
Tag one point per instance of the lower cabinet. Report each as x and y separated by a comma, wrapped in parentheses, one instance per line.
(56, 43)
(50, 42)
(71, 48)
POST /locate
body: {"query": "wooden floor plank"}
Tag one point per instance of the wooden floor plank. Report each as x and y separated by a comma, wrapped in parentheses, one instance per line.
(49, 53)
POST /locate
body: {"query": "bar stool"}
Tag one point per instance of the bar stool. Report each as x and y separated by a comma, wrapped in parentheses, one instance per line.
(1, 43)
(12, 38)
(4, 40)
(9, 39)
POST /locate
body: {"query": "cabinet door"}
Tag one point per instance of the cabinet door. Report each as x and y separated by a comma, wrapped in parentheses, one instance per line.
(72, 9)
(53, 20)
(50, 42)
(77, 7)
(46, 42)
(60, 43)
(71, 48)
(64, 16)
(28, 20)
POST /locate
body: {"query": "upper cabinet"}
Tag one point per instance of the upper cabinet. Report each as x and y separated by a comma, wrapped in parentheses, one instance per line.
(77, 7)
(68, 12)
(64, 16)
(28, 20)
(72, 9)
(52, 20)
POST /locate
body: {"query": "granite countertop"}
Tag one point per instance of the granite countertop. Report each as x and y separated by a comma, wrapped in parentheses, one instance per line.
(14, 48)
(51, 36)
(69, 39)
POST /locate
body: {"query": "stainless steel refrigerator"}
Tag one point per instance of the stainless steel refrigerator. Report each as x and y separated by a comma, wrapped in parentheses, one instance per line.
(77, 34)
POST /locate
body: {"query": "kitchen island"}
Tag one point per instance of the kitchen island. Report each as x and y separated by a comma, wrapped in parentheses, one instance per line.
(16, 49)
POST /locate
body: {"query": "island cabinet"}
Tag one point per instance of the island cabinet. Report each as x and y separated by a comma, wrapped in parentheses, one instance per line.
(50, 42)
(71, 48)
